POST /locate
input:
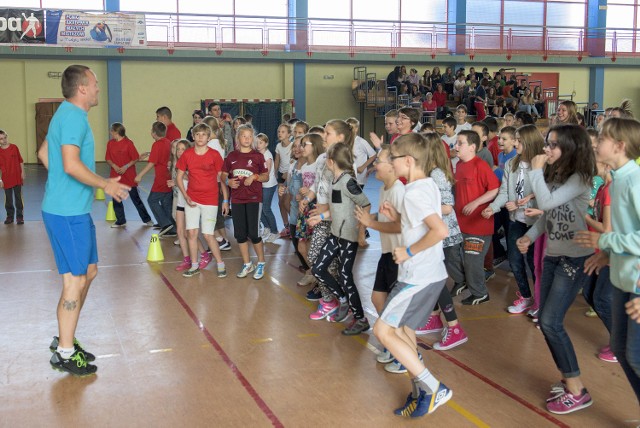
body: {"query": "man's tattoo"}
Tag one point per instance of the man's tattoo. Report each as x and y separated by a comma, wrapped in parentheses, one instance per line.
(70, 305)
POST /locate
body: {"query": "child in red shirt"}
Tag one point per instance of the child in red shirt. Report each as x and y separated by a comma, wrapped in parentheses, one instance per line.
(11, 178)
(122, 157)
(246, 170)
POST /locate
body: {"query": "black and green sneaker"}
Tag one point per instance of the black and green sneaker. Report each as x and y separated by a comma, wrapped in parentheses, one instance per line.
(76, 364)
(88, 355)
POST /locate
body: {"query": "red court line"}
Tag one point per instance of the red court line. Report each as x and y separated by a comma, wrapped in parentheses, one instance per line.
(500, 388)
(234, 369)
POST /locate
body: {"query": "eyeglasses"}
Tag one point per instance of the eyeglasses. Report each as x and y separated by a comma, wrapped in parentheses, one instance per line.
(551, 145)
(378, 161)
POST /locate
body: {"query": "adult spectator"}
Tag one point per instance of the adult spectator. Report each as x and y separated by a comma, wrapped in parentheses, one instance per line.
(197, 116)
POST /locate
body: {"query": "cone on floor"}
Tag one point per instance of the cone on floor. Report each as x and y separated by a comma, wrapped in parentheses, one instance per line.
(99, 194)
(155, 250)
(111, 214)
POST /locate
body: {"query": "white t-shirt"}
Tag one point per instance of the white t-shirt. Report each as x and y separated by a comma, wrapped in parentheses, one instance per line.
(361, 152)
(394, 195)
(421, 199)
(285, 157)
(451, 141)
(464, 127)
(272, 173)
(215, 145)
(309, 174)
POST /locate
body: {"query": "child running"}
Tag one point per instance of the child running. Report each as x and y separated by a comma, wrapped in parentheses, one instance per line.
(343, 241)
(201, 198)
(562, 190)
(246, 170)
(421, 275)
(269, 188)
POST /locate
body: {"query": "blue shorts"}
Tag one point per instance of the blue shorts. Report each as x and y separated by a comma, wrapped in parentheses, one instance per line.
(73, 241)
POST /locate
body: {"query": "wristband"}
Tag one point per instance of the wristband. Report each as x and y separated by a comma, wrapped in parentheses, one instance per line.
(305, 199)
(225, 201)
(227, 181)
(321, 216)
(409, 252)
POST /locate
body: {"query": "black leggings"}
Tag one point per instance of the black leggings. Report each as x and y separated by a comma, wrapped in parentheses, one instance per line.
(346, 252)
(294, 241)
(245, 222)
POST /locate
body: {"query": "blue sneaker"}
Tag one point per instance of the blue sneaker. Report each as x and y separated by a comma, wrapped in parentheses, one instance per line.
(314, 295)
(408, 408)
(396, 366)
(259, 273)
(428, 403)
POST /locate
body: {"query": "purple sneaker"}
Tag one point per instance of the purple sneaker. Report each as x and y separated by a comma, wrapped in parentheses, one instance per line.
(567, 402)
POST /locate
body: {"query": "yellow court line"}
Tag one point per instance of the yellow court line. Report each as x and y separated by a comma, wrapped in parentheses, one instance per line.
(304, 336)
(468, 415)
(265, 340)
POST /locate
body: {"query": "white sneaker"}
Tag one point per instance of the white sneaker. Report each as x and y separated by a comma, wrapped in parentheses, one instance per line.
(520, 305)
(265, 233)
(272, 237)
(246, 270)
(117, 226)
(385, 357)
(306, 280)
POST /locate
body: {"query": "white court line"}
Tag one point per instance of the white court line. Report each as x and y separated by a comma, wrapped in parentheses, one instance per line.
(27, 271)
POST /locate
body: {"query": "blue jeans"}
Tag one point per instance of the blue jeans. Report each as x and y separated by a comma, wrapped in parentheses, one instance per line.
(625, 338)
(161, 204)
(267, 218)
(562, 278)
(597, 293)
(517, 259)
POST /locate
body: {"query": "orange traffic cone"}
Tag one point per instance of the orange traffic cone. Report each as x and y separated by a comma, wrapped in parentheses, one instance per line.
(155, 250)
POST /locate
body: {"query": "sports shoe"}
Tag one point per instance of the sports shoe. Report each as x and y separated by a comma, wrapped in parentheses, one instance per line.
(76, 345)
(191, 272)
(497, 261)
(409, 406)
(149, 224)
(8, 220)
(184, 264)
(246, 270)
(222, 271)
(19, 220)
(605, 354)
(176, 242)
(76, 364)
(384, 357)
(205, 259)
(356, 327)
(521, 304)
(557, 389)
(164, 230)
(451, 337)
(259, 273)
(458, 288)
(489, 274)
(265, 232)
(116, 225)
(314, 294)
(428, 403)
(271, 238)
(396, 366)
(224, 245)
(591, 313)
(170, 234)
(475, 300)
(532, 312)
(324, 310)
(307, 279)
(340, 314)
(434, 325)
(285, 233)
(568, 403)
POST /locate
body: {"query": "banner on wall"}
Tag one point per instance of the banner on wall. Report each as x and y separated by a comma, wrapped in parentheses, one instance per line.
(95, 29)
(21, 26)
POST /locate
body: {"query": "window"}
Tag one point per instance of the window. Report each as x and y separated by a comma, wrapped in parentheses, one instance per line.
(149, 6)
(83, 5)
(620, 23)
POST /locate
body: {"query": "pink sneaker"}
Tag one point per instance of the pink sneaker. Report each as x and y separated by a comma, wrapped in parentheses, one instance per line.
(324, 310)
(184, 264)
(567, 402)
(605, 354)
(451, 337)
(434, 325)
(205, 259)
(521, 304)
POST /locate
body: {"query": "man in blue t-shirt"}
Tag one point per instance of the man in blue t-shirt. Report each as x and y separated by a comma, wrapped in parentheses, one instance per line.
(68, 154)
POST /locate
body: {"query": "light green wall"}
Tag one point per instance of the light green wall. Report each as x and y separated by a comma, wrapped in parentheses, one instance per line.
(621, 83)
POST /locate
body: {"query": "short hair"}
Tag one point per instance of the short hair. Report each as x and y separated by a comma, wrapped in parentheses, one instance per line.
(212, 105)
(492, 123)
(450, 121)
(427, 126)
(462, 107)
(159, 128)
(472, 138)
(316, 129)
(118, 128)
(72, 77)
(2, 132)
(201, 127)
(391, 113)
(164, 111)
(511, 130)
(413, 114)
(414, 145)
(483, 126)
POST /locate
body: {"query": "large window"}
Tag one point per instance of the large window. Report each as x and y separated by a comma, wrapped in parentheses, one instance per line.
(622, 23)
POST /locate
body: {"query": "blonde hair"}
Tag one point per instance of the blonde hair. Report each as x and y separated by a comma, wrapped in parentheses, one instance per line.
(437, 157)
(626, 130)
(413, 145)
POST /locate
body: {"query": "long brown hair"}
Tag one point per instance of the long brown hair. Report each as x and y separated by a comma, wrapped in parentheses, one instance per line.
(345, 129)
(342, 156)
(532, 145)
(316, 142)
(626, 130)
(577, 155)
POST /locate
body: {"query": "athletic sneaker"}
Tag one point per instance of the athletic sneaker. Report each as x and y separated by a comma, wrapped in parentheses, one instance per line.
(568, 403)
(606, 355)
(265, 232)
(184, 264)
(384, 357)
(324, 310)
(521, 304)
(19, 220)
(76, 345)
(396, 367)
(271, 238)
(205, 259)
(489, 274)
(475, 300)
(307, 279)
(434, 325)
(222, 271)
(149, 224)
(259, 273)
(76, 364)
(590, 313)
(458, 288)
(116, 225)
(176, 242)
(428, 403)
(314, 294)
(341, 314)
(191, 272)
(164, 230)
(451, 337)
(157, 226)
(8, 220)
(356, 327)
(246, 270)
(408, 407)
(557, 389)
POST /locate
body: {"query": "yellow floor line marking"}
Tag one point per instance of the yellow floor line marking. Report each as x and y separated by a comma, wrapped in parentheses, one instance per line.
(304, 336)
(157, 351)
(468, 415)
(266, 340)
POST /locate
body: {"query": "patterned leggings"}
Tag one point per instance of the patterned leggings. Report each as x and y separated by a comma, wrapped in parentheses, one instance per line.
(321, 232)
(345, 252)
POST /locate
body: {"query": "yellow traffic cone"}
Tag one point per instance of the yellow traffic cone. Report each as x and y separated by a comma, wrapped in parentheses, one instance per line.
(99, 194)
(155, 250)
(111, 214)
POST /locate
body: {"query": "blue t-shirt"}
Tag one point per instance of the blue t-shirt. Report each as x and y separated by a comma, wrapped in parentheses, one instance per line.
(63, 194)
(502, 160)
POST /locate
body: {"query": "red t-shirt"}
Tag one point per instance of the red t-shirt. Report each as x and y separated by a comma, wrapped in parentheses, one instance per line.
(159, 156)
(432, 106)
(10, 161)
(474, 178)
(440, 98)
(173, 133)
(122, 152)
(242, 165)
(492, 146)
(203, 175)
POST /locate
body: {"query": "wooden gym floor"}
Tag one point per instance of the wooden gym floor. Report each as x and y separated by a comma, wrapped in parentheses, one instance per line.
(205, 352)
